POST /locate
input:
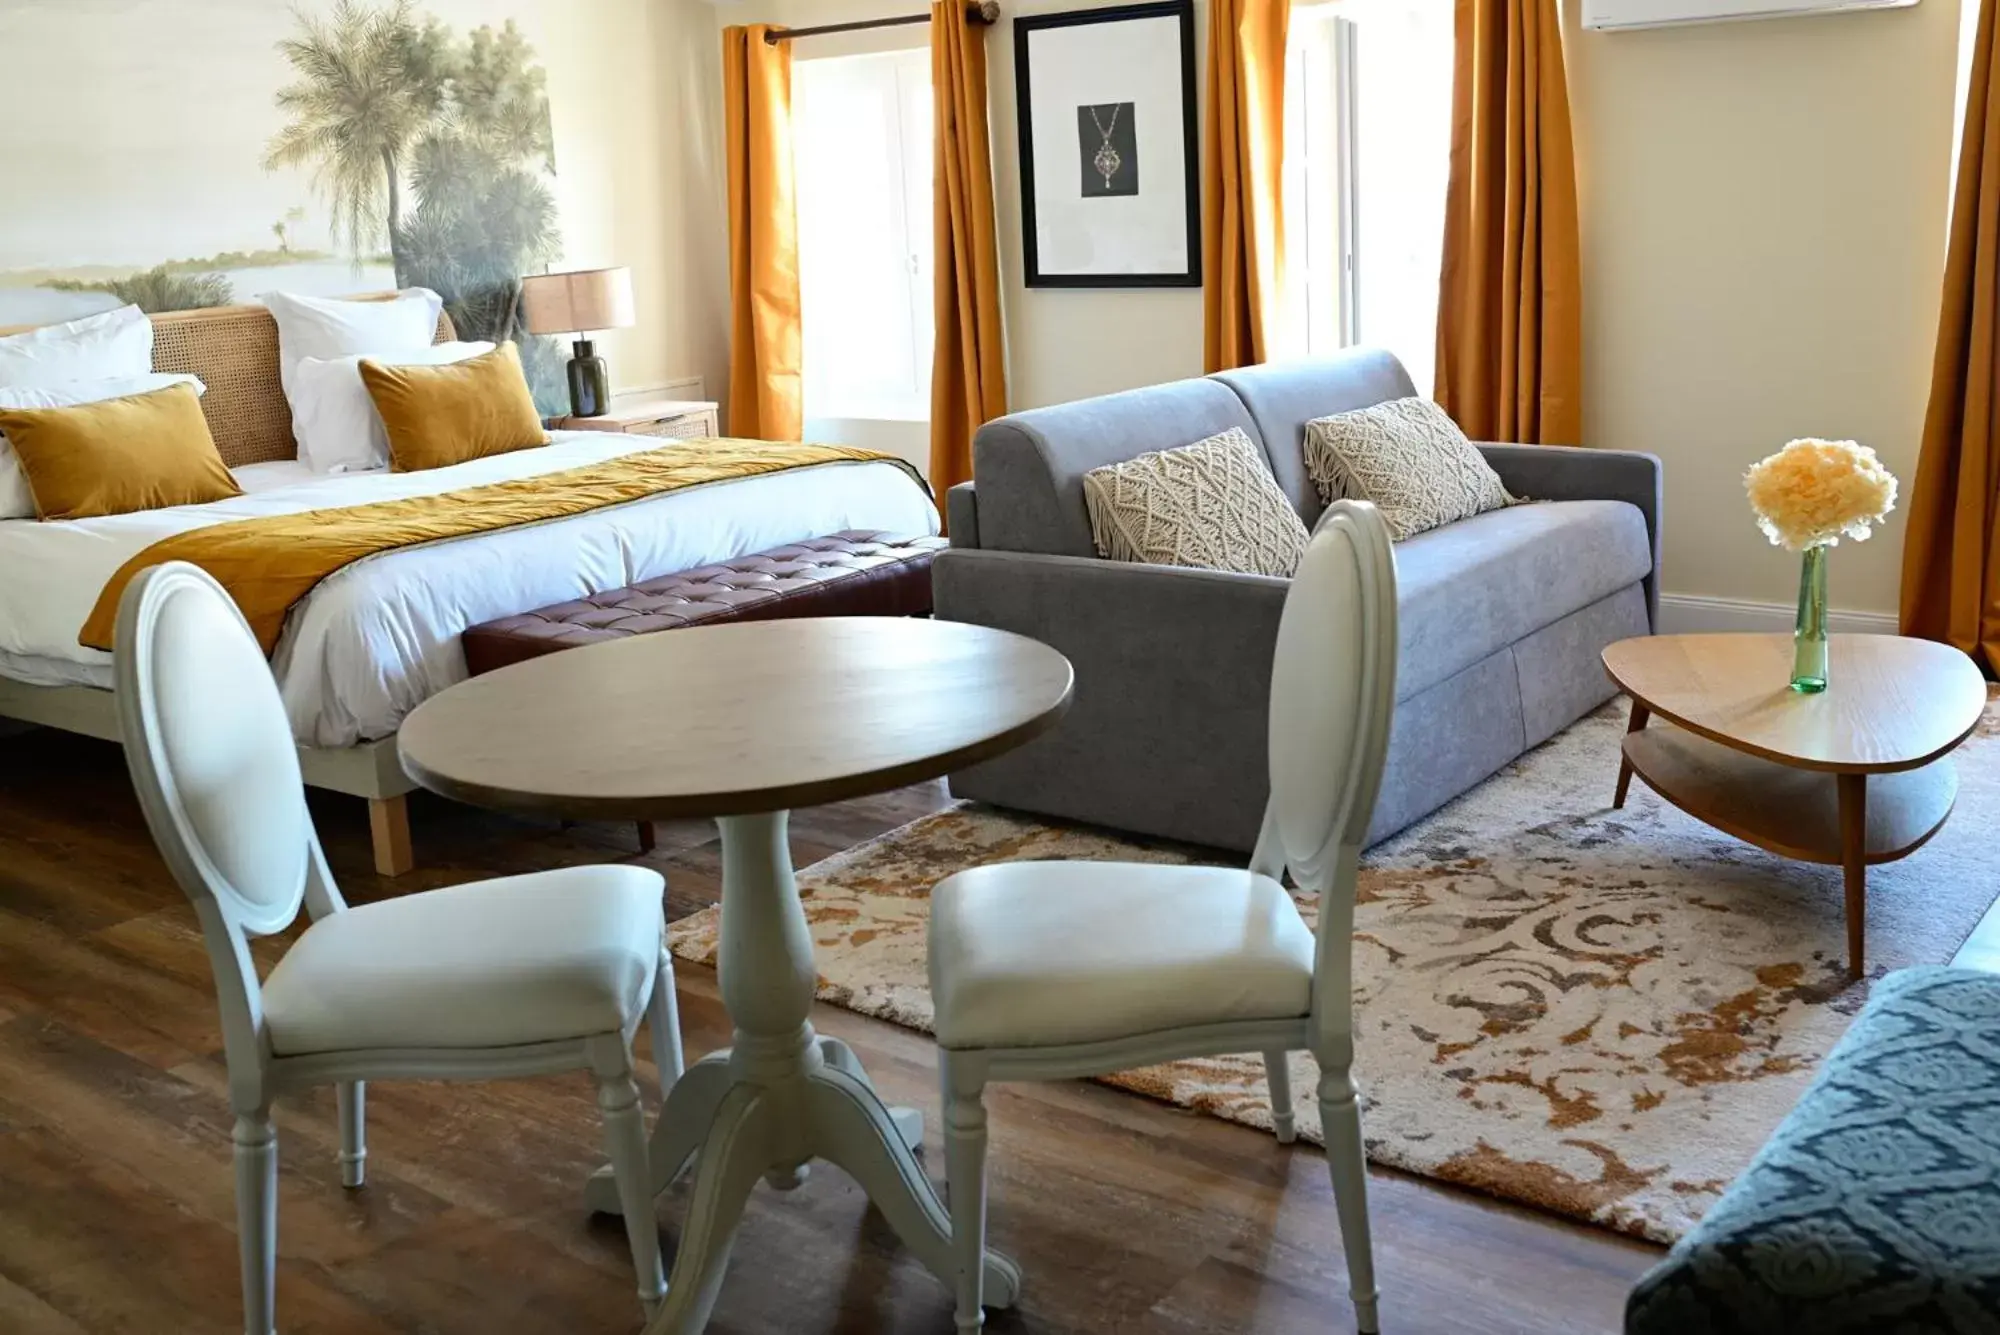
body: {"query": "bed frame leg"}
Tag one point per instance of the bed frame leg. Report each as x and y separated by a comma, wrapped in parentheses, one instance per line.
(389, 824)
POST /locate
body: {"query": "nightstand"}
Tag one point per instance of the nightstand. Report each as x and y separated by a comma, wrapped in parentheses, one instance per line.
(642, 415)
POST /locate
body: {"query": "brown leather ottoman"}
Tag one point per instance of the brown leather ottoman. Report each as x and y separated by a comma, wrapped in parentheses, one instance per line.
(858, 573)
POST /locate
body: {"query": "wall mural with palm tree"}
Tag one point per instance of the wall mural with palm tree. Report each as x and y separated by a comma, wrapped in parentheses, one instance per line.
(401, 143)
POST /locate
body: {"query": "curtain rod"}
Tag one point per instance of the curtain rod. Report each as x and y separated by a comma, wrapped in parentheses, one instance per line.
(987, 12)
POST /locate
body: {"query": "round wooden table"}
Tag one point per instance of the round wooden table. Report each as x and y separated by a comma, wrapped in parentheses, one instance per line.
(742, 722)
(1856, 775)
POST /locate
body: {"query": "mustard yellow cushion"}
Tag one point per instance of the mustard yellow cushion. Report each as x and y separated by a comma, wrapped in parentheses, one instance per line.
(439, 415)
(115, 456)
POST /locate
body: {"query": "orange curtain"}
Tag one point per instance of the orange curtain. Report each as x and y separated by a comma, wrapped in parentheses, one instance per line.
(1951, 559)
(968, 360)
(1510, 336)
(766, 393)
(1242, 216)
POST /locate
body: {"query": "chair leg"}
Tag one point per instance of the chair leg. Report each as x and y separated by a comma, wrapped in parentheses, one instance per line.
(1278, 1075)
(257, 1218)
(625, 1139)
(1346, 1159)
(352, 1096)
(965, 1181)
(663, 1019)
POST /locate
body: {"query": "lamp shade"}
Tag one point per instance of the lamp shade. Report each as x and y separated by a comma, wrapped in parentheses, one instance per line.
(577, 302)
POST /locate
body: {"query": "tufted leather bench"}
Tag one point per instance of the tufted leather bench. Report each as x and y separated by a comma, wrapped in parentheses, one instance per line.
(857, 573)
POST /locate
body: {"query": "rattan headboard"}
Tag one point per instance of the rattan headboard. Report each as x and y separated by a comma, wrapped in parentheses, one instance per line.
(234, 349)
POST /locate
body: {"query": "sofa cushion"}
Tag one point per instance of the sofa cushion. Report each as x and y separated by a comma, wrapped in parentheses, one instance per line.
(1212, 505)
(1030, 465)
(1409, 458)
(1283, 396)
(1470, 588)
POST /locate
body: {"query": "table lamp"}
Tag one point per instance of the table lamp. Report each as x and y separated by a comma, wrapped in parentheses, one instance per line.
(580, 302)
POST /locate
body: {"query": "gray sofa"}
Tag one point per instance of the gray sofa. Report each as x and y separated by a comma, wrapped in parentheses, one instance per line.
(1501, 616)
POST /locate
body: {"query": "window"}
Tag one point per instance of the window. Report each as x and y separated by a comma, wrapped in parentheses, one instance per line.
(1368, 153)
(862, 154)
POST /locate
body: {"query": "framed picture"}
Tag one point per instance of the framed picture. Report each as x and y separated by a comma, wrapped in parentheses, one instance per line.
(1105, 102)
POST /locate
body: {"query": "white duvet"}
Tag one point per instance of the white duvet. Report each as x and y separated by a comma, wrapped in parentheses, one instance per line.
(379, 637)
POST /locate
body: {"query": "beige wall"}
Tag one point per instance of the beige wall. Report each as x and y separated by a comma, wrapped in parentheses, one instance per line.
(1764, 216)
(635, 97)
(1764, 212)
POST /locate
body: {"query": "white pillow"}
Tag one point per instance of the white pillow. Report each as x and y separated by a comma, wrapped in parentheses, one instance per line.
(333, 418)
(16, 500)
(326, 327)
(96, 347)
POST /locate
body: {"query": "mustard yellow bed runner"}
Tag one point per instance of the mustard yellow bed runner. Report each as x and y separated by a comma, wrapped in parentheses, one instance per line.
(268, 564)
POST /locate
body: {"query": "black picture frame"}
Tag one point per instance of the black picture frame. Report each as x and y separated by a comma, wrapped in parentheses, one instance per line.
(1024, 27)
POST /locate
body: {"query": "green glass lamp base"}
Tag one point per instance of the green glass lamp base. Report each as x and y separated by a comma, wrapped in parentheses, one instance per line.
(589, 382)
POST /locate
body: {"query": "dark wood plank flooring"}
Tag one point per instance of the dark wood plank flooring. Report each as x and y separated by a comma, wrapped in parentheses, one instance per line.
(116, 1211)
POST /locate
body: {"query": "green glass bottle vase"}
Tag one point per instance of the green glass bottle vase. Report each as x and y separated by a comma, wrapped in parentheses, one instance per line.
(1809, 630)
(589, 382)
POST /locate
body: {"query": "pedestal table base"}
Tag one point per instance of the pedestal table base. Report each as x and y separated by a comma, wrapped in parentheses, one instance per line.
(780, 1097)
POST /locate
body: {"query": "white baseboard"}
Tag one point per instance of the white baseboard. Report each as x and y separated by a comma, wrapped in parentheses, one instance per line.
(1683, 613)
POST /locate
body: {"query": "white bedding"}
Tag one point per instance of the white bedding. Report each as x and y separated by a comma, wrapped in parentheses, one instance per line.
(378, 638)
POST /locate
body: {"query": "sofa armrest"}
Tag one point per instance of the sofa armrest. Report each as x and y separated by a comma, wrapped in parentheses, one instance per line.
(1569, 473)
(1173, 678)
(961, 513)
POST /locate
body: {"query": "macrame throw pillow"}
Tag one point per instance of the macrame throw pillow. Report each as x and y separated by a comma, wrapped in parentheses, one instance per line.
(1409, 458)
(1212, 504)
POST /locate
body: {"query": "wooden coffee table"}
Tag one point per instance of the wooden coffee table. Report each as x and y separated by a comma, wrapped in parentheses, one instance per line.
(1856, 775)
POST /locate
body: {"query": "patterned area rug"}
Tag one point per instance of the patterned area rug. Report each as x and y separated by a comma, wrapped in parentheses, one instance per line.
(1600, 1013)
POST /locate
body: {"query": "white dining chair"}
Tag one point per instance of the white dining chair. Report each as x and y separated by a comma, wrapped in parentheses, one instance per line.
(551, 971)
(1055, 970)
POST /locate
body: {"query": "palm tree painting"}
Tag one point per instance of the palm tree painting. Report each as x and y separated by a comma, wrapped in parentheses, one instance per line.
(436, 146)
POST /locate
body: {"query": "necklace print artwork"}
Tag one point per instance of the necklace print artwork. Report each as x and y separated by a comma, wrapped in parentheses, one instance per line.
(1107, 160)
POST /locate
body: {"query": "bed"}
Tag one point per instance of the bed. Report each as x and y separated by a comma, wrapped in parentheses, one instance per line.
(375, 639)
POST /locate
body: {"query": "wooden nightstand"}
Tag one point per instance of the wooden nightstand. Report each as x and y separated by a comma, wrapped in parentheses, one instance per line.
(642, 415)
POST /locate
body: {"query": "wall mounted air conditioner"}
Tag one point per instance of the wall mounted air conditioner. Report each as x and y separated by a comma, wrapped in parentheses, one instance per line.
(1619, 15)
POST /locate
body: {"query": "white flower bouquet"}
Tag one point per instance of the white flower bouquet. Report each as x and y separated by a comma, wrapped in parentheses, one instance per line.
(1813, 493)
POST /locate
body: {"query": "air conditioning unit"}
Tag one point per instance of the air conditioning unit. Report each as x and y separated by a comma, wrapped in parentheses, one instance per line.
(1620, 15)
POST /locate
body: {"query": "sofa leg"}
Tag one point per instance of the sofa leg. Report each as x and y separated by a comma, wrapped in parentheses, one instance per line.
(389, 826)
(648, 838)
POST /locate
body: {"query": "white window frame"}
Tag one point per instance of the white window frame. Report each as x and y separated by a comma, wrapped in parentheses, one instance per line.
(1322, 208)
(1367, 166)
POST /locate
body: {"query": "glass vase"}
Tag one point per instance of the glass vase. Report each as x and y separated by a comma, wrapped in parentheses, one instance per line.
(1809, 630)
(589, 382)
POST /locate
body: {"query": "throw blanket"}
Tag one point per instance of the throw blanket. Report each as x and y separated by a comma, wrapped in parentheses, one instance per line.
(268, 565)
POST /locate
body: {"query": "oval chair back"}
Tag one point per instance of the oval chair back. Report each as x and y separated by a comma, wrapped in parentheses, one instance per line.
(1333, 690)
(211, 754)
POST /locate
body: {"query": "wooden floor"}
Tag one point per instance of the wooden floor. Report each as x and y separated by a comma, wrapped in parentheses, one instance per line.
(115, 1189)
